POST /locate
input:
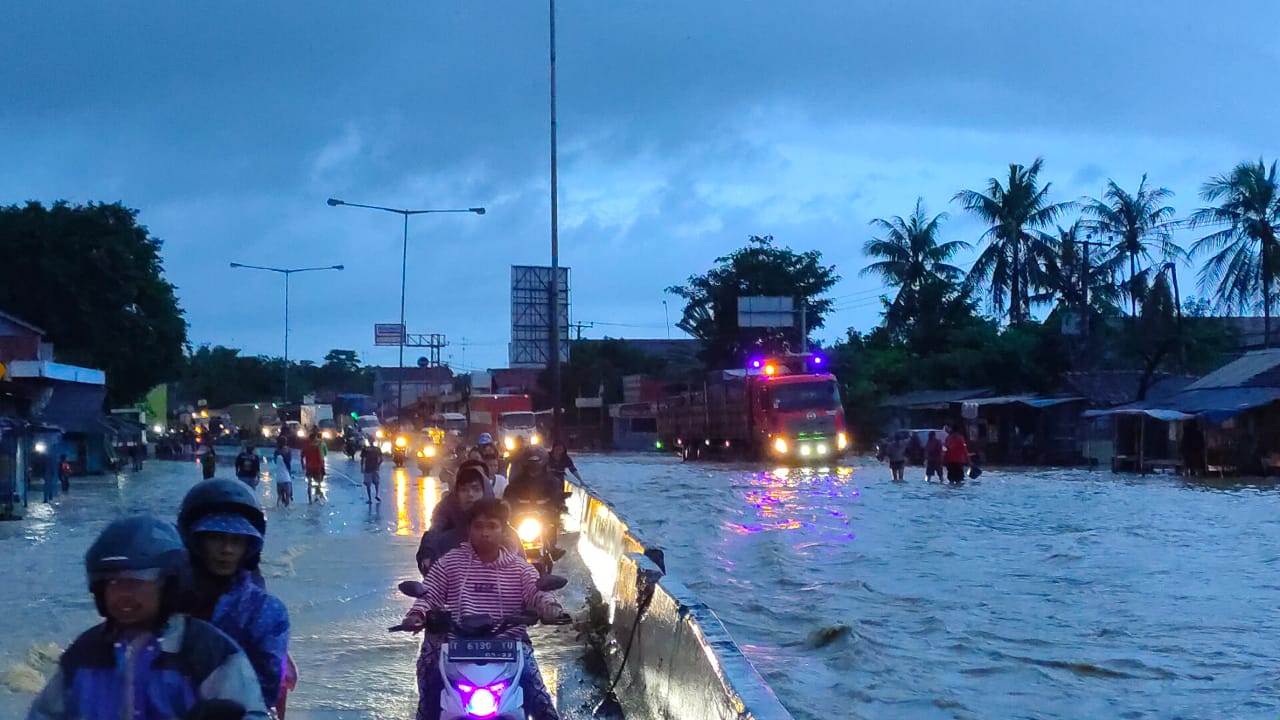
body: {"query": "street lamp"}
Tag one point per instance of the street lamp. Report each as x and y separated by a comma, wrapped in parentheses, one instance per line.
(404, 266)
(286, 272)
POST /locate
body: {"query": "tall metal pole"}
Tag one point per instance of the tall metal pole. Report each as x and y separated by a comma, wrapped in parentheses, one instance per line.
(404, 277)
(286, 336)
(555, 248)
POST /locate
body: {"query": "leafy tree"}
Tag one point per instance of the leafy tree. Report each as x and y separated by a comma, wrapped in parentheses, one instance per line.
(913, 260)
(93, 279)
(1072, 285)
(1244, 256)
(1014, 210)
(760, 268)
(1136, 222)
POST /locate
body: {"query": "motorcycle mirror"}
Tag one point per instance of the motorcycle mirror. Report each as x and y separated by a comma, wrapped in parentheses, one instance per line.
(548, 583)
(413, 588)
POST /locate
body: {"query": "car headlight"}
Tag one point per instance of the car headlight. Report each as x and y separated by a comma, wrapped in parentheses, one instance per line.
(509, 442)
(302, 433)
(328, 434)
(805, 450)
(530, 529)
(535, 439)
(780, 446)
(379, 434)
(402, 442)
(842, 441)
(385, 447)
(266, 432)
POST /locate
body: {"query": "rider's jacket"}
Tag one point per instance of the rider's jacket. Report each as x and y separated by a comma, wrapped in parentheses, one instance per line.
(102, 677)
(463, 584)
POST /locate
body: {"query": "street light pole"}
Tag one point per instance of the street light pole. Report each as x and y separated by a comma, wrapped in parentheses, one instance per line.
(404, 271)
(286, 272)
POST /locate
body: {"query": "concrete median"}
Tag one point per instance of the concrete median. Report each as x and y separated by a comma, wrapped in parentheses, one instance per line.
(681, 663)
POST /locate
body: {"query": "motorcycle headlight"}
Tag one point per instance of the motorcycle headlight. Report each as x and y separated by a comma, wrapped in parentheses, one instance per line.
(427, 452)
(535, 439)
(780, 446)
(509, 442)
(530, 529)
(402, 442)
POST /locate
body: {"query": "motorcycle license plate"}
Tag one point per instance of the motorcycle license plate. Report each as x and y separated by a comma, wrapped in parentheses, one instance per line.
(482, 650)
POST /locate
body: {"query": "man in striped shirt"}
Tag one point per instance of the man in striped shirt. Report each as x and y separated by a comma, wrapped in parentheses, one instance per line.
(482, 577)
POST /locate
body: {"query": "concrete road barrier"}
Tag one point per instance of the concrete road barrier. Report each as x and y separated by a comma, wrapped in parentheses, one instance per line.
(682, 664)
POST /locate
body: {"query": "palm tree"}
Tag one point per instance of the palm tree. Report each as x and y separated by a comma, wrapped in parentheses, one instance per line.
(1246, 254)
(1015, 210)
(912, 256)
(1136, 221)
(1071, 279)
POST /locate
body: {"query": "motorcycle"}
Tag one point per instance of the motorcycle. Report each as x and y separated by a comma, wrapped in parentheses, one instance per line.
(400, 451)
(351, 447)
(480, 671)
(537, 525)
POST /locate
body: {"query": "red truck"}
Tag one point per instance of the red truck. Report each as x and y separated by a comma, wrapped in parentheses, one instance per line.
(766, 411)
(484, 412)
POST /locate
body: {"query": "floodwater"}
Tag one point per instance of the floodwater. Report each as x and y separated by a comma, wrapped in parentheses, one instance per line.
(1025, 594)
(335, 565)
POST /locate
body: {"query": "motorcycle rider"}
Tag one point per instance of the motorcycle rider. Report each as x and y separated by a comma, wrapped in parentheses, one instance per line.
(147, 659)
(351, 441)
(449, 518)
(533, 483)
(222, 526)
(248, 466)
(481, 577)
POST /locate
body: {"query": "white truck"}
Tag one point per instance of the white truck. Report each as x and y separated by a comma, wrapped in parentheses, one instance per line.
(312, 415)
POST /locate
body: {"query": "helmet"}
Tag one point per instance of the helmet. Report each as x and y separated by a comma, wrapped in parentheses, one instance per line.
(228, 506)
(485, 439)
(535, 456)
(140, 545)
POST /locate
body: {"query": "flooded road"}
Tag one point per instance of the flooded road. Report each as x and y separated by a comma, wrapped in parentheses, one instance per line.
(1039, 594)
(335, 565)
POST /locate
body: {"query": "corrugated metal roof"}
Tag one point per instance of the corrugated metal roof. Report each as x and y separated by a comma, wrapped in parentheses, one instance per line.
(1217, 403)
(1047, 402)
(1002, 400)
(1239, 372)
(927, 398)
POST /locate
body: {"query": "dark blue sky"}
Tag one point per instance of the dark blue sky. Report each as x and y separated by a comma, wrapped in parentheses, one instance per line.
(684, 128)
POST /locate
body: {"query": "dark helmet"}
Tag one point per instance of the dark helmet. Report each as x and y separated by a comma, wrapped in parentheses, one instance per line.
(224, 501)
(142, 546)
(535, 456)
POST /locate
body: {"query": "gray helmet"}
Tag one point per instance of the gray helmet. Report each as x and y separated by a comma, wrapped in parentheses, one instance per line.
(140, 545)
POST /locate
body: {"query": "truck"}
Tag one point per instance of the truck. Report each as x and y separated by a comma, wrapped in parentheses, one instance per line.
(780, 410)
(484, 412)
(518, 429)
(317, 417)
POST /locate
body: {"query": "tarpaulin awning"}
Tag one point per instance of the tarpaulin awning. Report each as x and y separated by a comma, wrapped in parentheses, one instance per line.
(1158, 414)
(1048, 402)
(1002, 400)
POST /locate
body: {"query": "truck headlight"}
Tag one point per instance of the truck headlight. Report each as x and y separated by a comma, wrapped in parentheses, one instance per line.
(805, 450)
(509, 442)
(842, 441)
(530, 529)
(535, 439)
(780, 446)
(327, 434)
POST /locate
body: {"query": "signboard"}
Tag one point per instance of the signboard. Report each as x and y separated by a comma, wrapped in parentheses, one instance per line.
(388, 334)
(531, 316)
(766, 312)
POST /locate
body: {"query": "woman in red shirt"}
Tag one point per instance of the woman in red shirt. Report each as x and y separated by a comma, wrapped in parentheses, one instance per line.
(955, 455)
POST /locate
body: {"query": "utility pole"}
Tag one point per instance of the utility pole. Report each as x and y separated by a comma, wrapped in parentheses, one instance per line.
(555, 248)
(580, 325)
